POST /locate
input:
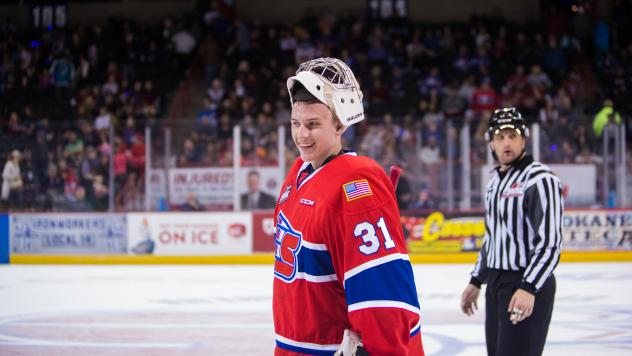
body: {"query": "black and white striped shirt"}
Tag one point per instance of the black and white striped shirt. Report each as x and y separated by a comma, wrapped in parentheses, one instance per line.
(523, 223)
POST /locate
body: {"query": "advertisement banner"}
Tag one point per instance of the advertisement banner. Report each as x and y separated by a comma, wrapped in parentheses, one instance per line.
(66, 233)
(263, 231)
(439, 232)
(211, 186)
(597, 230)
(583, 230)
(187, 234)
(4, 238)
(269, 182)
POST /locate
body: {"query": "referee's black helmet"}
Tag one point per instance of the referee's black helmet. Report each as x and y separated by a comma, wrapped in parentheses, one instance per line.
(506, 118)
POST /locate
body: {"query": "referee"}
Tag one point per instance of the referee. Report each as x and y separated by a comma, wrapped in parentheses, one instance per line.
(523, 237)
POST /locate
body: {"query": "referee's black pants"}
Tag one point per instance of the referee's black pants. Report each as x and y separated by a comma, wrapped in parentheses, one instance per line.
(527, 337)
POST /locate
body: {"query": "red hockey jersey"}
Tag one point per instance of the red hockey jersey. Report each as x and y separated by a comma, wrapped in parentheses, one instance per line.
(341, 262)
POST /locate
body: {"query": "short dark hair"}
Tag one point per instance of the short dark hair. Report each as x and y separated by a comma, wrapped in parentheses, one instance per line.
(301, 94)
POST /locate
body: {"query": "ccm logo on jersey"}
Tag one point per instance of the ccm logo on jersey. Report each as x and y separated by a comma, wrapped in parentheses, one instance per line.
(307, 202)
(288, 245)
(515, 190)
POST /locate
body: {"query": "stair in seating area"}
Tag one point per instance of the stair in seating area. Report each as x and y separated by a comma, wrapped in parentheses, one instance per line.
(187, 100)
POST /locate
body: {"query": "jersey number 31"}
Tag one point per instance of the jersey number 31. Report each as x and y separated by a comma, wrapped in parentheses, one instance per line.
(371, 243)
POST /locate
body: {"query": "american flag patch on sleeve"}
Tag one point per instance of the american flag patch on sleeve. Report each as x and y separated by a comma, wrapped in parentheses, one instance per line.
(357, 189)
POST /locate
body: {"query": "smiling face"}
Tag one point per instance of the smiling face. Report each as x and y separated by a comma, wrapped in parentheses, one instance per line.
(509, 145)
(315, 132)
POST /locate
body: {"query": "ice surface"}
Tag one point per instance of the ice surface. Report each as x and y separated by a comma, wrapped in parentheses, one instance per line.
(219, 310)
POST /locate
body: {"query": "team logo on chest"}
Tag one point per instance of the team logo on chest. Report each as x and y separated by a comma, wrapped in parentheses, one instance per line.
(288, 245)
(285, 194)
(515, 190)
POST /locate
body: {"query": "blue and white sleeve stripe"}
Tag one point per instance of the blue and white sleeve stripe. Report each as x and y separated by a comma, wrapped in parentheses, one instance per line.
(305, 347)
(372, 285)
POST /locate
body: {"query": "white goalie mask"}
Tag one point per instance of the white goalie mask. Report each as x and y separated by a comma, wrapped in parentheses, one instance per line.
(332, 82)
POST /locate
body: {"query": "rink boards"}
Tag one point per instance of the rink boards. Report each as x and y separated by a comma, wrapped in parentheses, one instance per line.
(248, 237)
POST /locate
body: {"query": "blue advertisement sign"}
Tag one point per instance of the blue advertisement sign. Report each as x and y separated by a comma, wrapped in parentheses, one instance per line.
(4, 238)
(56, 234)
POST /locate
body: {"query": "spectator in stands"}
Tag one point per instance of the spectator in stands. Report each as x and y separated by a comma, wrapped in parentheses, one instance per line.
(432, 81)
(255, 198)
(111, 87)
(39, 157)
(206, 121)
(248, 153)
(137, 154)
(554, 59)
(192, 204)
(216, 92)
(16, 128)
(87, 133)
(183, 45)
(31, 198)
(62, 71)
(586, 156)
(120, 162)
(54, 181)
(398, 92)
(74, 148)
(225, 128)
(189, 155)
(372, 143)
(71, 181)
(305, 50)
(99, 196)
(102, 122)
(462, 60)
(467, 88)
(79, 202)
(484, 97)
(539, 79)
(88, 166)
(404, 193)
(12, 183)
(425, 200)
(564, 153)
(129, 131)
(453, 105)
(606, 115)
(563, 102)
(516, 80)
(430, 153)
(210, 157)
(433, 117)
(225, 157)
(582, 137)
(548, 113)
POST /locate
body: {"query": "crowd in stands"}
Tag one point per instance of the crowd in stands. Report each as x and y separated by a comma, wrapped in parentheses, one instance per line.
(72, 98)
(65, 89)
